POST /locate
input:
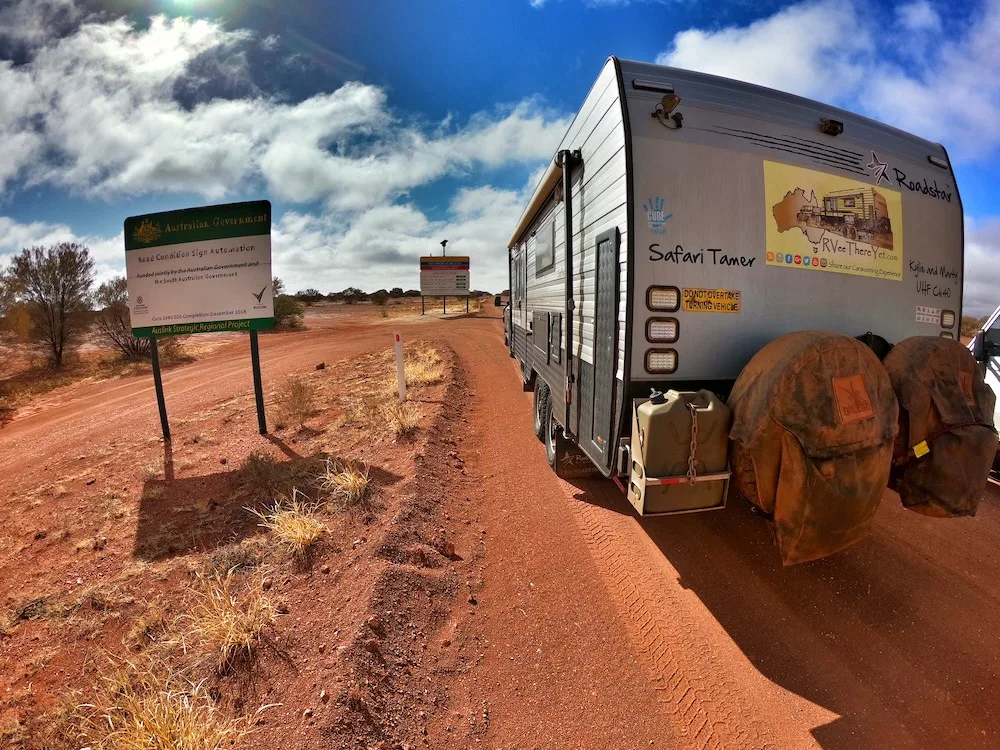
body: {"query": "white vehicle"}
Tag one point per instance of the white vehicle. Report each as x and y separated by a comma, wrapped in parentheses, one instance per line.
(684, 223)
(986, 349)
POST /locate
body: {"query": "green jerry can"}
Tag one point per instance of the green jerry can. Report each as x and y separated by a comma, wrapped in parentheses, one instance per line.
(662, 479)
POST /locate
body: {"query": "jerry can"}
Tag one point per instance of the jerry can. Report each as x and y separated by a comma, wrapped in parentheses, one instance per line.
(662, 478)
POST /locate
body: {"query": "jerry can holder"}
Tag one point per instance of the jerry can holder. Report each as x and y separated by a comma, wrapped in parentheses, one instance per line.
(638, 482)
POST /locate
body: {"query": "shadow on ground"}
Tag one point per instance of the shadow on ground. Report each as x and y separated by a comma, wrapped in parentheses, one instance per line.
(880, 634)
(178, 516)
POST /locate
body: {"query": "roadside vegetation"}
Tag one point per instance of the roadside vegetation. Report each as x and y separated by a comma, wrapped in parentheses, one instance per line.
(972, 324)
(160, 650)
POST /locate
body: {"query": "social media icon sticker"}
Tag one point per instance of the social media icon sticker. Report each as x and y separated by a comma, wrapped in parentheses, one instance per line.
(822, 262)
(770, 256)
(788, 258)
(798, 260)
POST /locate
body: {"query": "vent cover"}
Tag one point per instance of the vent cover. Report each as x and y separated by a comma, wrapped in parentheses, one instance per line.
(833, 156)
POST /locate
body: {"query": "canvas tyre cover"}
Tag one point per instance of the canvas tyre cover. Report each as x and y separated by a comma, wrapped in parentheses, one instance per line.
(946, 440)
(814, 420)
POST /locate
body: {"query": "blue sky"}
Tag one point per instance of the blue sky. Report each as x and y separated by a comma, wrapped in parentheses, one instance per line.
(378, 128)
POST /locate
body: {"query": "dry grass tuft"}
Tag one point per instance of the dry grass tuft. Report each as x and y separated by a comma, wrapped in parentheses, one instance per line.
(403, 419)
(138, 708)
(154, 492)
(346, 481)
(149, 627)
(242, 556)
(230, 625)
(294, 521)
(359, 411)
(423, 367)
(296, 402)
(262, 474)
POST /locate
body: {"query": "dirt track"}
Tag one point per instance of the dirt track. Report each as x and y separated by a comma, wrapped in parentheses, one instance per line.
(603, 630)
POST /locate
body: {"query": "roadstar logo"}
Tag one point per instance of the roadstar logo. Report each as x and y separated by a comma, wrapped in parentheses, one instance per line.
(147, 232)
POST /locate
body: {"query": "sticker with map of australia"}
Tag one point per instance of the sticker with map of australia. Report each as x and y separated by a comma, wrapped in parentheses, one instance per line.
(832, 223)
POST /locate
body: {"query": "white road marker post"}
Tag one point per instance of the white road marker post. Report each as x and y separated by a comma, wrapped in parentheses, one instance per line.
(400, 368)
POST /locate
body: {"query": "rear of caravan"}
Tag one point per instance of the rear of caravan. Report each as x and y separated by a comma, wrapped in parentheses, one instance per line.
(710, 219)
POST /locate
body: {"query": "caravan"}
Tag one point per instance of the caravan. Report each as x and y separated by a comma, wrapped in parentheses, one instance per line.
(686, 222)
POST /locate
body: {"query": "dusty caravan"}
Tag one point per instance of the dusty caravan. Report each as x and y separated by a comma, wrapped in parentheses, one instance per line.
(704, 285)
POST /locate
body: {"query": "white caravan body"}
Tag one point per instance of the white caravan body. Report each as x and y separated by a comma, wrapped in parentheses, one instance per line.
(703, 228)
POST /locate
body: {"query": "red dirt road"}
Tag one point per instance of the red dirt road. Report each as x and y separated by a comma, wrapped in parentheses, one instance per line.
(602, 630)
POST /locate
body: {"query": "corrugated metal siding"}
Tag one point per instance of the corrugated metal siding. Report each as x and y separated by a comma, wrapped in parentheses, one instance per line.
(599, 204)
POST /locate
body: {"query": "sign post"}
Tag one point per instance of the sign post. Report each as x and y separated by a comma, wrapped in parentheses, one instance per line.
(258, 388)
(400, 368)
(158, 383)
(201, 270)
(444, 276)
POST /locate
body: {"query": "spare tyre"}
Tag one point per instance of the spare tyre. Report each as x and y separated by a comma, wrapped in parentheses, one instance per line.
(814, 421)
(947, 439)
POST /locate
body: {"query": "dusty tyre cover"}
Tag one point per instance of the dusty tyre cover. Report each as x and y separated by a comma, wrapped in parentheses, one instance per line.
(946, 442)
(814, 421)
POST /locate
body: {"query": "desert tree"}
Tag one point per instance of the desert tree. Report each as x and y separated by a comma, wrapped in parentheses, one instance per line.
(113, 322)
(287, 309)
(53, 284)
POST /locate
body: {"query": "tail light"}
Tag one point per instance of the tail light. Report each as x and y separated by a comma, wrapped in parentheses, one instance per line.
(661, 361)
(661, 330)
(665, 298)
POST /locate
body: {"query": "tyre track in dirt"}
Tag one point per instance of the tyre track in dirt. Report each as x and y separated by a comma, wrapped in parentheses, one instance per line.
(888, 644)
(702, 701)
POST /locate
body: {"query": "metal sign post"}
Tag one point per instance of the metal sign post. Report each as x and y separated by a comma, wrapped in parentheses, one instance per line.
(158, 383)
(258, 388)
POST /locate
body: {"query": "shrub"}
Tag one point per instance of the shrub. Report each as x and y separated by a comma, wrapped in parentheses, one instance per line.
(296, 401)
(262, 474)
(288, 311)
(113, 321)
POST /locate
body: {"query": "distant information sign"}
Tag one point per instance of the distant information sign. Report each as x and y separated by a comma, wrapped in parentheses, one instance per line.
(200, 270)
(444, 276)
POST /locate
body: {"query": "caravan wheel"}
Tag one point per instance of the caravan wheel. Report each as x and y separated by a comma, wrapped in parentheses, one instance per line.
(541, 408)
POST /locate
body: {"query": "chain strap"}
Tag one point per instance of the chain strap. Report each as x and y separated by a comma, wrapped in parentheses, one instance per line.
(692, 470)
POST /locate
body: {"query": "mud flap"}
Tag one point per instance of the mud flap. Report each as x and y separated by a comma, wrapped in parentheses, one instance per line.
(571, 462)
(814, 422)
(947, 441)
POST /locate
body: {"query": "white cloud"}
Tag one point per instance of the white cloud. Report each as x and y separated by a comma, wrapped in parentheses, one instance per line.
(24, 25)
(839, 51)
(381, 246)
(982, 267)
(108, 252)
(95, 112)
(919, 16)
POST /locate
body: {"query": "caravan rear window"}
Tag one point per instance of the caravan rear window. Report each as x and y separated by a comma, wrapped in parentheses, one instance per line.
(545, 248)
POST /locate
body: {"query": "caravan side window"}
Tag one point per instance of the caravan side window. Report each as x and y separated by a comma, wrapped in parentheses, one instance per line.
(545, 248)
